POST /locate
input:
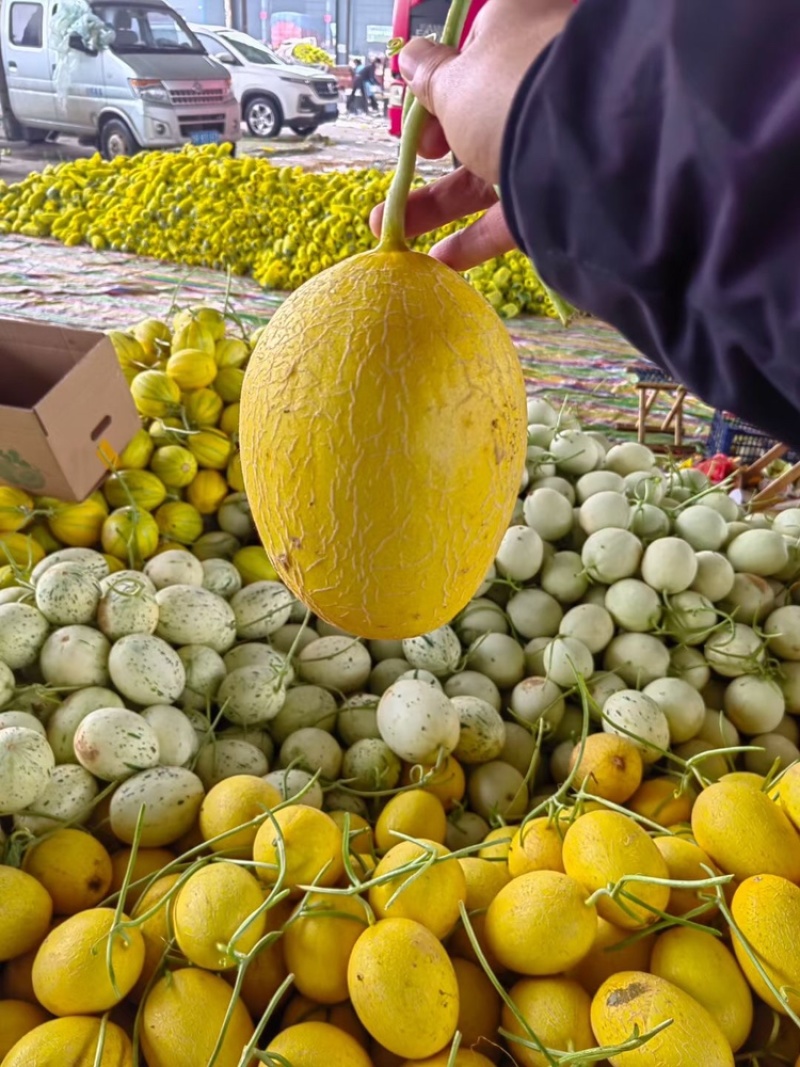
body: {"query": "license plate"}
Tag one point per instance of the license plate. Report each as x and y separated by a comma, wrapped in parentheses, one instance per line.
(331, 109)
(205, 137)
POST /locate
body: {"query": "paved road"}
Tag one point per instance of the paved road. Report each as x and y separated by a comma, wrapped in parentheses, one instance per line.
(352, 142)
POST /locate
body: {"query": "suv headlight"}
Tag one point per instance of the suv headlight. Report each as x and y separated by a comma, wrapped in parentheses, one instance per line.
(293, 80)
(150, 89)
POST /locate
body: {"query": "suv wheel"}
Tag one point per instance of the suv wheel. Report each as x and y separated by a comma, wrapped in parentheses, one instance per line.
(263, 116)
(116, 140)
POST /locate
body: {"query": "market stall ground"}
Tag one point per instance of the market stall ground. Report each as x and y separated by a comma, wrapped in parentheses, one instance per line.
(586, 365)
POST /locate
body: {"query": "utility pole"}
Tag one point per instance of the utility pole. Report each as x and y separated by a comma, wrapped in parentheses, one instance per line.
(10, 124)
(341, 34)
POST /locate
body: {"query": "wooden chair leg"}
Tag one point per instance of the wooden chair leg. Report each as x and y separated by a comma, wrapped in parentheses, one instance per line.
(640, 429)
(752, 470)
(770, 491)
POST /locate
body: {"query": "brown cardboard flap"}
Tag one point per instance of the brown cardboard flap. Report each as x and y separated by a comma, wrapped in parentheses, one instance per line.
(26, 459)
(34, 358)
(92, 404)
(64, 403)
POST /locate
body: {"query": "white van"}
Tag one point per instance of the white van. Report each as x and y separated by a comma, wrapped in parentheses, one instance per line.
(132, 76)
(272, 93)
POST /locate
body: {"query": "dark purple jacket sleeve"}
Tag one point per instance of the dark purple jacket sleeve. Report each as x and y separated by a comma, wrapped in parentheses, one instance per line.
(651, 170)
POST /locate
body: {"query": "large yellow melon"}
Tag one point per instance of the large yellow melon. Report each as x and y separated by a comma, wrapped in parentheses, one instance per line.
(383, 437)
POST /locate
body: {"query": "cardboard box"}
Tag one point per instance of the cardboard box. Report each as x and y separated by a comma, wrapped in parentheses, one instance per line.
(64, 406)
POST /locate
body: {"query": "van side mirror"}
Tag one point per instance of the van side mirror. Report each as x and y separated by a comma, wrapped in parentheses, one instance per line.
(77, 42)
(226, 58)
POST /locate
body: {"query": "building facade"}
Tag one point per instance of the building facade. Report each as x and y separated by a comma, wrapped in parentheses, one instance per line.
(367, 24)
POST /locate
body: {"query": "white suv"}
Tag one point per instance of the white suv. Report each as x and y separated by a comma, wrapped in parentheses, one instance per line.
(271, 92)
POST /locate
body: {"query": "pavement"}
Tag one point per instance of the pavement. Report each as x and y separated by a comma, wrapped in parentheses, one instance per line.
(353, 142)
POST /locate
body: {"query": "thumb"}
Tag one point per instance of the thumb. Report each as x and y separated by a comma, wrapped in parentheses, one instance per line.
(427, 67)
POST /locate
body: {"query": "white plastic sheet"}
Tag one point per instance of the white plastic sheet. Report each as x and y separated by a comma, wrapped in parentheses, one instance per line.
(75, 17)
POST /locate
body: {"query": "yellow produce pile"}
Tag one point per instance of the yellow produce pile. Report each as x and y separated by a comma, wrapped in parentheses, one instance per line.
(305, 52)
(282, 225)
(563, 828)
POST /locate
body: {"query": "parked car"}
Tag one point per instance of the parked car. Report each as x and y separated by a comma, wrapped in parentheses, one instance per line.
(136, 77)
(272, 93)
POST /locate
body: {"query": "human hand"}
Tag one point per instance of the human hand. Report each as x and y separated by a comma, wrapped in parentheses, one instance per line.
(469, 95)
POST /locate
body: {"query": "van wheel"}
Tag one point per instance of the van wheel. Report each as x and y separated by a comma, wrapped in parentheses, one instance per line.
(116, 140)
(263, 116)
(301, 129)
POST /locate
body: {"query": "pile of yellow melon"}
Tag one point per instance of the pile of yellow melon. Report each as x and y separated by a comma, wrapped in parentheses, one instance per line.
(282, 225)
(178, 482)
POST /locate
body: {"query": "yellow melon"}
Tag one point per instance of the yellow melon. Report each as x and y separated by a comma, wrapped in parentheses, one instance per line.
(231, 352)
(139, 488)
(16, 508)
(229, 422)
(203, 407)
(211, 448)
(174, 465)
(253, 565)
(129, 350)
(191, 368)
(154, 336)
(233, 473)
(197, 327)
(383, 443)
(154, 394)
(131, 534)
(78, 525)
(41, 532)
(207, 491)
(228, 383)
(179, 521)
(138, 451)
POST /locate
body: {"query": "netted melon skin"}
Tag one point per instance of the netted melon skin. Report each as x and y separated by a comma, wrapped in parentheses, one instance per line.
(383, 438)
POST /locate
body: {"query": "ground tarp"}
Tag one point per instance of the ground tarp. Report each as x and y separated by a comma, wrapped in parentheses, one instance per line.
(586, 365)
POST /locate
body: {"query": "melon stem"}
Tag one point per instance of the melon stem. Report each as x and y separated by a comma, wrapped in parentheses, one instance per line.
(393, 230)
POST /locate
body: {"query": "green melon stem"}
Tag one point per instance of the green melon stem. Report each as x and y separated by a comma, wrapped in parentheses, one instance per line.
(393, 230)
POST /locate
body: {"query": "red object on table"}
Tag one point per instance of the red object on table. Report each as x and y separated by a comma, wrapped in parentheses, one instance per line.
(717, 467)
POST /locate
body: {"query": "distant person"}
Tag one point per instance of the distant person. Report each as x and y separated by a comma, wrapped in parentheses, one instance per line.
(364, 83)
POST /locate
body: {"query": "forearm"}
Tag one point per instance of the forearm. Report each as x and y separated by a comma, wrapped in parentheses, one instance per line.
(651, 169)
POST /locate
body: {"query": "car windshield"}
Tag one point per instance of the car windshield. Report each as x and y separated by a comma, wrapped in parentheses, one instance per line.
(139, 28)
(253, 52)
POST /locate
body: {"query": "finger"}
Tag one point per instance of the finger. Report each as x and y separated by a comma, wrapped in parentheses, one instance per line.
(432, 141)
(427, 69)
(487, 237)
(447, 199)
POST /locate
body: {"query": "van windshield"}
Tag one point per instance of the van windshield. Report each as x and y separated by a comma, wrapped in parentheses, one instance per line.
(139, 28)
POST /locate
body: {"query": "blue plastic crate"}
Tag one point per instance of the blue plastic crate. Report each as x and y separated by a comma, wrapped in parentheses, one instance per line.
(733, 436)
(649, 372)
